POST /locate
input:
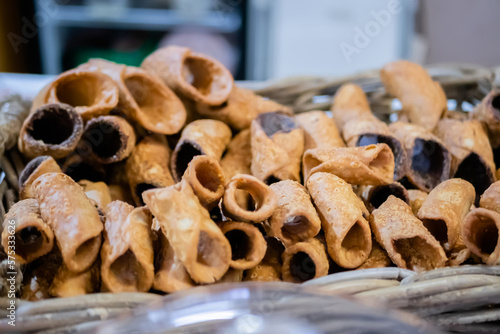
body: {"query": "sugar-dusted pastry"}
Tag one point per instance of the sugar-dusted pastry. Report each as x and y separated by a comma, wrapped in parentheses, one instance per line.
(269, 269)
(190, 74)
(241, 107)
(143, 97)
(374, 196)
(378, 258)
(295, 218)
(417, 198)
(127, 251)
(196, 240)
(263, 196)
(36, 167)
(490, 199)
(52, 129)
(366, 165)
(472, 157)
(69, 284)
(91, 93)
(73, 218)
(343, 218)
(480, 233)
(443, 211)
(205, 176)
(277, 147)
(429, 158)
(423, 100)
(98, 192)
(320, 130)
(201, 137)
(488, 113)
(248, 246)
(148, 166)
(407, 242)
(108, 139)
(305, 260)
(26, 233)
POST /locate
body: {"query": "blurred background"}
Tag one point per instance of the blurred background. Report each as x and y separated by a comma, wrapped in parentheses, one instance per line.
(255, 39)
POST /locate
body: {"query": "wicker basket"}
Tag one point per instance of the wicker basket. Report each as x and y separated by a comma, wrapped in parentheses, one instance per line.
(462, 299)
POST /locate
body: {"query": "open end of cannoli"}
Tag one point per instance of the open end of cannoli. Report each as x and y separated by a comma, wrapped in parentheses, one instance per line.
(79, 91)
(474, 170)
(211, 252)
(208, 177)
(30, 168)
(394, 145)
(438, 229)
(142, 187)
(54, 125)
(427, 161)
(273, 122)
(355, 244)
(127, 270)
(28, 241)
(484, 234)
(184, 156)
(86, 250)
(240, 244)
(416, 252)
(302, 267)
(496, 156)
(495, 103)
(111, 139)
(196, 72)
(271, 179)
(296, 225)
(381, 193)
(80, 170)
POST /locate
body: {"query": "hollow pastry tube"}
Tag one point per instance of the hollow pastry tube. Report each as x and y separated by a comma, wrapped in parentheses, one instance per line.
(305, 260)
(320, 130)
(98, 192)
(277, 147)
(38, 275)
(143, 97)
(25, 232)
(196, 240)
(423, 100)
(417, 198)
(490, 199)
(270, 268)
(201, 137)
(488, 113)
(472, 157)
(407, 242)
(52, 129)
(378, 258)
(248, 246)
(190, 74)
(443, 211)
(459, 254)
(429, 159)
(480, 233)
(69, 284)
(349, 102)
(109, 139)
(295, 218)
(74, 220)
(91, 93)
(127, 251)
(343, 218)
(36, 167)
(366, 165)
(206, 178)
(78, 168)
(263, 196)
(148, 167)
(240, 109)
(374, 196)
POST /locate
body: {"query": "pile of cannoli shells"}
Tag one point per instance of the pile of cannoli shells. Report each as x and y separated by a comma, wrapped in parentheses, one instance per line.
(168, 176)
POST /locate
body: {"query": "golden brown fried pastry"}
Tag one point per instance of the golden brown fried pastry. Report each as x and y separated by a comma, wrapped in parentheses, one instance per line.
(444, 210)
(343, 218)
(147, 167)
(190, 74)
(429, 159)
(472, 157)
(73, 218)
(488, 113)
(120, 193)
(305, 260)
(201, 137)
(407, 242)
(295, 218)
(98, 192)
(52, 129)
(367, 165)
(68, 284)
(36, 167)
(417, 198)
(232, 276)
(480, 233)
(374, 196)
(277, 146)
(25, 235)
(490, 199)
(196, 240)
(349, 102)
(269, 270)
(39, 275)
(378, 258)
(263, 196)
(320, 130)
(459, 254)
(423, 100)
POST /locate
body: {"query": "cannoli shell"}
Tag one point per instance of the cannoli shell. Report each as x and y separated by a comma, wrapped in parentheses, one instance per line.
(407, 242)
(374, 196)
(490, 199)
(238, 155)
(68, 284)
(378, 258)
(98, 192)
(33, 238)
(36, 167)
(459, 254)
(480, 233)
(73, 218)
(488, 113)
(270, 268)
(417, 198)
(305, 260)
(349, 102)
(320, 130)
(343, 218)
(232, 276)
